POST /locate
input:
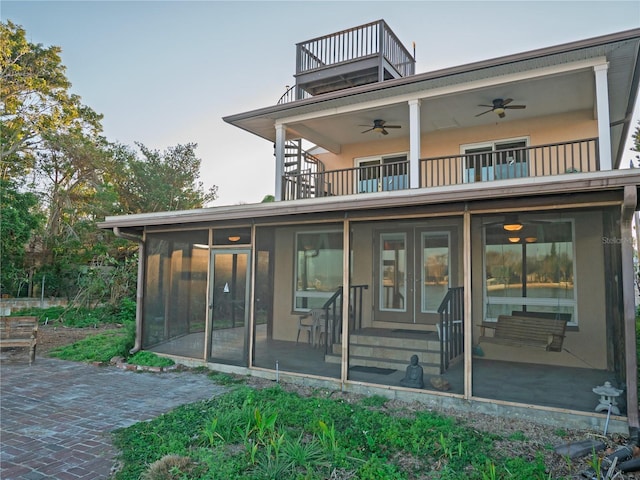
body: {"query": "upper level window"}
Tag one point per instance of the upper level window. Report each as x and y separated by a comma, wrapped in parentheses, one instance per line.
(382, 174)
(495, 161)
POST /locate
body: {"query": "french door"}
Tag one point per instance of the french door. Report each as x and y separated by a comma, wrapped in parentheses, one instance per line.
(496, 161)
(229, 312)
(412, 274)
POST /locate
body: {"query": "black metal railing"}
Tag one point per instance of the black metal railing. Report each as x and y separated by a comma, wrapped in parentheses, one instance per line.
(451, 326)
(535, 161)
(347, 181)
(302, 172)
(293, 93)
(333, 313)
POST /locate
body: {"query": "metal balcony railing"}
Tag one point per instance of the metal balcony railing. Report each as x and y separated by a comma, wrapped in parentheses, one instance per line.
(533, 161)
(346, 181)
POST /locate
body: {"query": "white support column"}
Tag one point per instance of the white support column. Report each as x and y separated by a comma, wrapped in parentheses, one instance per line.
(602, 105)
(279, 151)
(414, 143)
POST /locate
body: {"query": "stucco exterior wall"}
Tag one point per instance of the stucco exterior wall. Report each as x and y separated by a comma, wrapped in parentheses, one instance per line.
(542, 130)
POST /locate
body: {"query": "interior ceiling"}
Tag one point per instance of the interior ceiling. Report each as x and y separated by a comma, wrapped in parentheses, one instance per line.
(542, 97)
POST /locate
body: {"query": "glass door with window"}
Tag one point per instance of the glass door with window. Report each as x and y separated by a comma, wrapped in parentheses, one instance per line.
(229, 293)
(413, 274)
(383, 174)
(496, 161)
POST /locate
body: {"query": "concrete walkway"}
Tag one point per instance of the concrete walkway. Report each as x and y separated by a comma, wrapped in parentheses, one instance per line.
(56, 416)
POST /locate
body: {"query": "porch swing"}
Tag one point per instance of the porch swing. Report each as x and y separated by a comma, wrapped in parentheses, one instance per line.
(523, 327)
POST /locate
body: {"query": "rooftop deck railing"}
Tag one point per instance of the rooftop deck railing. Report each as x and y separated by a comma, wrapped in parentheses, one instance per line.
(533, 161)
(374, 38)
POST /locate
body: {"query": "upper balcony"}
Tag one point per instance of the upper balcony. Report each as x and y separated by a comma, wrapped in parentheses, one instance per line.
(313, 181)
(361, 55)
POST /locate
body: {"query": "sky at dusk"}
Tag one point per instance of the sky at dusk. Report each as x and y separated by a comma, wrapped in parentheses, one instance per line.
(166, 72)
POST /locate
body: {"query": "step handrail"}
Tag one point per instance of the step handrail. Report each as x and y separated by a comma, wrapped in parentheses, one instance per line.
(451, 326)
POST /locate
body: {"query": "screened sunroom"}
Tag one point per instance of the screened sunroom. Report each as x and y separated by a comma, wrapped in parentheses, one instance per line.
(507, 302)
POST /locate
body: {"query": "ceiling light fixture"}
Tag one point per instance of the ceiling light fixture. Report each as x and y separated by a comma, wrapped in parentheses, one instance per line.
(234, 238)
(512, 226)
(514, 239)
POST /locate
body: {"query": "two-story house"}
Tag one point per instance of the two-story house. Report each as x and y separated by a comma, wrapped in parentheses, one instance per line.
(477, 217)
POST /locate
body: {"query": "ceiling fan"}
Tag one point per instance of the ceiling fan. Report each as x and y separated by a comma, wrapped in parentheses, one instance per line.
(499, 106)
(379, 126)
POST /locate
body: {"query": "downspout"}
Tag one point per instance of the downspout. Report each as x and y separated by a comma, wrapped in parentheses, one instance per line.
(629, 204)
(139, 285)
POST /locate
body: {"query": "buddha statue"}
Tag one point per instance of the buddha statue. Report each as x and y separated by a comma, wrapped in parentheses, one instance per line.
(413, 376)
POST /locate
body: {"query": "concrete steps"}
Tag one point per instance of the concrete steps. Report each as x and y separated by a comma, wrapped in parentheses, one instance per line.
(391, 349)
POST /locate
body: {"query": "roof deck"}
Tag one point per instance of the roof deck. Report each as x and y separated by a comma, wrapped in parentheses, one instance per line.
(361, 55)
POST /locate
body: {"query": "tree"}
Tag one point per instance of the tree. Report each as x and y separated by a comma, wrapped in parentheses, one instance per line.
(72, 168)
(34, 100)
(159, 181)
(21, 219)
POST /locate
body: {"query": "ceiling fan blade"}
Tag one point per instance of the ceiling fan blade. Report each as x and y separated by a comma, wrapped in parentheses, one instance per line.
(507, 101)
(488, 106)
(384, 132)
(392, 126)
(484, 112)
(367, 130)
(516, 106)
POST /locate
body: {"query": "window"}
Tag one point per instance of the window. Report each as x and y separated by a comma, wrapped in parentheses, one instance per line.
(495, 161)
(382, 174)
(318, 268)
(531, 270)
(393, 259)
(435, 271)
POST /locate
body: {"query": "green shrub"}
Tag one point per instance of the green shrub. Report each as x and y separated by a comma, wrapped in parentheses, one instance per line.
(82, 317)
(98, 348)
(48, 314)
(149, 359)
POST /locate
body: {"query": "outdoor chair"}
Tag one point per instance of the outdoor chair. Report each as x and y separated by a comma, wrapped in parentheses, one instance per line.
(306, 323)
(318, 315)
